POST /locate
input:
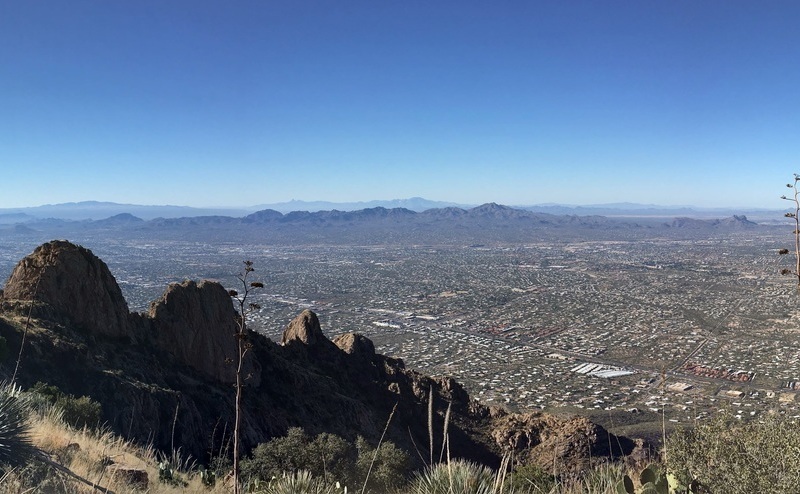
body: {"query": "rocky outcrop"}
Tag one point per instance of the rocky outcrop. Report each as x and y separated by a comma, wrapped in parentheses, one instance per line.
(554, 443)
(75, 284)
(304, 329)
(356, 344)
(196, 323)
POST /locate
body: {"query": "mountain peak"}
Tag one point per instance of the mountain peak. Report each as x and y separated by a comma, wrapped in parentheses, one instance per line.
(74, 282)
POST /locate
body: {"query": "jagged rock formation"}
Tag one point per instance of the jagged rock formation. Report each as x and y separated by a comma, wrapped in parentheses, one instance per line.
(356, 344)
(543, 439)
(195, 323)
(75, 284)
(304, 329)
(169, 381)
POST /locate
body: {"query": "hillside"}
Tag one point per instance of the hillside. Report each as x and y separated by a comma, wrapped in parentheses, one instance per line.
(162, 376)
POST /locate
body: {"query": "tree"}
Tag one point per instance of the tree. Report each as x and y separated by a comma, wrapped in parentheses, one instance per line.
(326, 456)
(243, 346)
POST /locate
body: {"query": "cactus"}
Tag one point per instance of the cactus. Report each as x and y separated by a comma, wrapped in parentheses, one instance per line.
(625, 486)
(648, 475)
(649, 489)
(654, 481)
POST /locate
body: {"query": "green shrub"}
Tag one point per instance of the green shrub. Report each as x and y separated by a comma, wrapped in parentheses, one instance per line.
(332, 456)
(76, 412)
(725, 455)
(43, 394)
(328, 458)
(532, 478)
(278, 455)
(386, 466)
(80, 412)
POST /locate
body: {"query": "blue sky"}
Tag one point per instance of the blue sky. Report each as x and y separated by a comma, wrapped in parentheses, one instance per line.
(206, 103)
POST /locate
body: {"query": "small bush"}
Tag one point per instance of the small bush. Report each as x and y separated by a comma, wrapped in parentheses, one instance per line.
(278, 455)
(76, 412)
(386, 468)
(80, 412)
(733, 457)
(532, 478)
(328, 458)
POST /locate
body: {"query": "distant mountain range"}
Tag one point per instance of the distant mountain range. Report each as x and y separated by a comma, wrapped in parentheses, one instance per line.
(94, 210)
(488, 223)
(417, 204)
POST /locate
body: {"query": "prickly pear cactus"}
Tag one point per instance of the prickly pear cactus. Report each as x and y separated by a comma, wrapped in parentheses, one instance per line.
(625, 486)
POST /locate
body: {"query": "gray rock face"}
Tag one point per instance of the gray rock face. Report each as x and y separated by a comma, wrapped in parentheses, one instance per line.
(356, 344)
(304, 329)
(74, 283)
(196, 323)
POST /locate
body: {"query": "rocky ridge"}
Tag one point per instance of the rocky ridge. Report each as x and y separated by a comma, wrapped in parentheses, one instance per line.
(165, 376)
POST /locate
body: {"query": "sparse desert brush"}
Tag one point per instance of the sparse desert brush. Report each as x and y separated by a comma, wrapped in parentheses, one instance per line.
(75, 459)
(78, 412)
(729, 456)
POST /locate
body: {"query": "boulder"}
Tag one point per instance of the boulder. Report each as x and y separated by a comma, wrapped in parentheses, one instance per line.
(134, 477)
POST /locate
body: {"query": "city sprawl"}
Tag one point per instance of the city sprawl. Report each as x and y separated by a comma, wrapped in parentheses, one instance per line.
(632, 332)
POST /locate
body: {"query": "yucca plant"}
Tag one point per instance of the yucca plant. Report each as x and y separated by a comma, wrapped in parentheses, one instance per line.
(455, 477)
(302, 482)
(16, 448)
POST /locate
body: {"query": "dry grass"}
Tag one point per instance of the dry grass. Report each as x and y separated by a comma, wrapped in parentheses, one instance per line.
(97, 457)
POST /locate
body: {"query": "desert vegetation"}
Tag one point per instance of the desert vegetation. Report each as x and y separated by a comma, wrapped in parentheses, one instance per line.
(51, 442)
(41, 450)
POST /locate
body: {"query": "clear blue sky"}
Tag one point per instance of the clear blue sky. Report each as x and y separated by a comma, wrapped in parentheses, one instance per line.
(205, 103)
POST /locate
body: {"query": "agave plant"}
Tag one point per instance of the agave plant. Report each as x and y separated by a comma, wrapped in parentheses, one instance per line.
(15, 442)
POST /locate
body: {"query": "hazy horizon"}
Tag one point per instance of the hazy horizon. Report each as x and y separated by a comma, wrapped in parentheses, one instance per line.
(205, 105)
(620, 205)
